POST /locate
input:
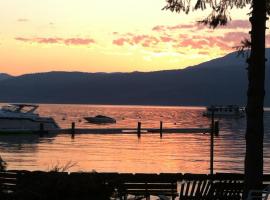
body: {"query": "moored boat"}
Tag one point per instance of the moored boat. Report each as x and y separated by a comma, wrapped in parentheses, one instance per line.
(100, 119)
(224, 111)
(24, 117)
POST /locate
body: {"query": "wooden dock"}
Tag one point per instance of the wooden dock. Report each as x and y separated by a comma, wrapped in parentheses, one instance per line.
(112, 131)
(122, 130)
(130, 130)
(139, 130)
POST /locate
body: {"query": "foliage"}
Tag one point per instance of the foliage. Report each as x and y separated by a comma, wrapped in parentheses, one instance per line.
(3, 164)
(244, 48)
(61, 185)
(219, 15)
(62, 168)
(219, 9)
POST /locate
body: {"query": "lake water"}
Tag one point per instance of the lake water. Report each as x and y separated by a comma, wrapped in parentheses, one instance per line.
(186, 153)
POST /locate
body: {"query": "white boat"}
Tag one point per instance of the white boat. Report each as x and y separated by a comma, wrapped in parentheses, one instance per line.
(224, 111)
(24, 117)
(100, 119)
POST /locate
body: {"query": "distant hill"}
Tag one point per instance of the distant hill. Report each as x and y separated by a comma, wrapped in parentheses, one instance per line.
(4, 76)
(219, 81)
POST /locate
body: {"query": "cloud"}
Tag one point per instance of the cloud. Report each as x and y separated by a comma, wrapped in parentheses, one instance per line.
(23, 39)
(159, 28)
(78, 41)
(23, 20)
(120, 41)
(190, 36)
(167, 39)
(182, 26)
(48, 40)
(235, 24)
(225, 41)
(194, 43)
(235, 36)
(133, 39)
(56, 40)
(162, 28)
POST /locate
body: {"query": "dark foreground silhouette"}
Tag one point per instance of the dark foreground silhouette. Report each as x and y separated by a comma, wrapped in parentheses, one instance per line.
(38, 185)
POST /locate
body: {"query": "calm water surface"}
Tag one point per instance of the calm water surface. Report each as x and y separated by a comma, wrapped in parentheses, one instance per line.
(127, 153)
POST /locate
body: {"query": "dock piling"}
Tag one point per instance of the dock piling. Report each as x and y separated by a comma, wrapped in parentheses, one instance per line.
(72, 129)
(41, 129)
(161, 129)
(216, 131)
(212, 142)
(139, 129)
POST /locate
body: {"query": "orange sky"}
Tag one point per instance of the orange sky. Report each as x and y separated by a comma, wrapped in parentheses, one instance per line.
(108, 36)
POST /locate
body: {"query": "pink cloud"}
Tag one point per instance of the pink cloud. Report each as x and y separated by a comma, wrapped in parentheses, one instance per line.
(167, 39)
(196, 39)
(203, 52)
(183, 36)
(47, 40)
(194, 43)
(235, 36)
(22, 20)
(159, 28)
(181, 26)
(23, 39)
(120, 41)
(224, 42)
(132, 39)
(267, 39)
(138, 38)
(234, 24)
(66, 41)
(217, 41)
(78, 41)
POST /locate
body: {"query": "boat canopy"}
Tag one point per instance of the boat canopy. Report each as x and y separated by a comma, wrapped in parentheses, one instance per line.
(23, 108)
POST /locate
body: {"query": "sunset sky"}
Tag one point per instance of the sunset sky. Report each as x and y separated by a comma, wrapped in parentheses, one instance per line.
(108, 36)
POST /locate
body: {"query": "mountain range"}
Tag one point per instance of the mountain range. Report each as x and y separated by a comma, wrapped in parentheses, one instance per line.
(4, 76)
(219, 81)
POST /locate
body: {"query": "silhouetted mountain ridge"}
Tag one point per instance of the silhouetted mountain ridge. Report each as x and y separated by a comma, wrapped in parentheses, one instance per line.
(4, 76)
(219, 81)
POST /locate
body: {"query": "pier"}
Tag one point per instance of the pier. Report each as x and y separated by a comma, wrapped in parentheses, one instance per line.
(139, 130)
(130, 130)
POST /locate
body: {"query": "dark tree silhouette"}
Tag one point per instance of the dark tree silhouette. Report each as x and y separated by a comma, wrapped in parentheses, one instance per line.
(256, 72)
(3, 164)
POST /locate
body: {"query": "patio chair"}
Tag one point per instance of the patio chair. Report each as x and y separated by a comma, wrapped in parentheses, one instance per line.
(259, 194)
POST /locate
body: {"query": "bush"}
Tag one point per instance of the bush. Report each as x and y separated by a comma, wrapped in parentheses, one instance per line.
(3, 164)
(59, 185)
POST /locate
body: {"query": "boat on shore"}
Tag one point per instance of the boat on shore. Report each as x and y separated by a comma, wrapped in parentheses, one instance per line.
(18, 117)
(100, 119)
(224, 111)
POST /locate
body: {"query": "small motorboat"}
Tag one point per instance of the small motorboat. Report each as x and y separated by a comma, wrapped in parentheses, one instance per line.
(224, 111)
(100, 119)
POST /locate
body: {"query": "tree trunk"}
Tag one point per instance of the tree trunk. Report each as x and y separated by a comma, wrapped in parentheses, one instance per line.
(255, 99)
